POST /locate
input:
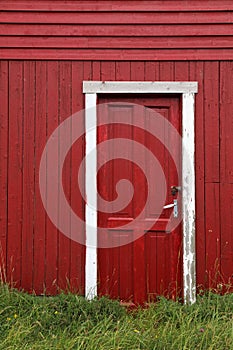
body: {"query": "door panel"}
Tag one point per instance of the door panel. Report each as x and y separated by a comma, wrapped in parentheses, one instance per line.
(151, 264)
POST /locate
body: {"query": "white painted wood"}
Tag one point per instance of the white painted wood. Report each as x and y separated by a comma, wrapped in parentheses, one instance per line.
(131, 87)
(91, 197)
(187, 89)
(188, 198)
(168, 206)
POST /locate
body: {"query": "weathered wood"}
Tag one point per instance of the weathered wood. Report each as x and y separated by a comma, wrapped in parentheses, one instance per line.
(114, 30)
(134, 87)
(226, 200)
(64, 104)
(213, 234)
(39, 263)
(51, 247)
(77, 251)
(226, 125)
(211, 117)
(15, 163)
(120, 258)
(107, 41)
(197, 74)
(173, 42)
(4, 91)
(28, 200)
(114, 5)
(116, 17)
(117, 54)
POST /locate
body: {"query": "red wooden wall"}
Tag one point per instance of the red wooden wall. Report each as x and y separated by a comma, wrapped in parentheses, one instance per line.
(136, 30)
(47, 49)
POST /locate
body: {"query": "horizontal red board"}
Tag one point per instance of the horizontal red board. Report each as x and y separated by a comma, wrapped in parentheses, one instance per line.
(115, 5)
(160, 225)
(117, 42)
(116, 30)
(151, 17)
(117, 54)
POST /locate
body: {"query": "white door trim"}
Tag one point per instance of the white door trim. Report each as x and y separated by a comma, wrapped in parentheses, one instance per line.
(187, 90)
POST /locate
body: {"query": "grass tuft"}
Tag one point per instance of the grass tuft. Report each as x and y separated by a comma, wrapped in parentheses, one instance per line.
(68, 321)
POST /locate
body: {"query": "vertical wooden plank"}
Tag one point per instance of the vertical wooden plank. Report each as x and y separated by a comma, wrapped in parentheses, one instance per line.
(114, 270)
(168, 278)
(77, 86)
(181, 71)
(139, 270)
(177, 238)
(3, 165)
(51, 247)
(166, 71)
(161, 263)
(226, 170)
(15, 172)
(87, 70)
(139, 258)
(119, 171)
(211, 118)
(124, 253)
(153, 262)
(28, 176)
(137, 71)
(197, 74)
(127, 284)
(65, 112)
(139, 252)
(151, 71)
(108, 70)
(212, 217)
(226, 125)
(107, 271)
(123, 71)
(96, 70)
(212, 195)
(151, 265)
(103, 266)
(39, 211)
(77, 263)
(226, 200)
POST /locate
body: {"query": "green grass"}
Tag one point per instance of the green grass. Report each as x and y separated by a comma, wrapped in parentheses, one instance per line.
(70, 322)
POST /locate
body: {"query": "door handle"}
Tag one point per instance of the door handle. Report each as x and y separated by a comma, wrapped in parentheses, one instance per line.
(173, 205)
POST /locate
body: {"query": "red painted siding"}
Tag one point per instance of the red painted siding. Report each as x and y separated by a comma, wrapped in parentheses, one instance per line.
(146, 30)
(47, 49)
(43, 258)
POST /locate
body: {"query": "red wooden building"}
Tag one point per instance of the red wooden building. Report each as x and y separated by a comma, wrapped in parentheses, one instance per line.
(180, 52)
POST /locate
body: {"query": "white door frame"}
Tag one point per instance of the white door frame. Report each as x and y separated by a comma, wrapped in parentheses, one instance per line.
(187, 89)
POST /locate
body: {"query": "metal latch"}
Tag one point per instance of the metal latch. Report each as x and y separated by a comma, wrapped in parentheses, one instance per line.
(173, 205)
(175, 189)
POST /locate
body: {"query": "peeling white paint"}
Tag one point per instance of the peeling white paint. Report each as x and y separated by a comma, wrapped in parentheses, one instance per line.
(132, 87)
(188, 185)
(91, 198)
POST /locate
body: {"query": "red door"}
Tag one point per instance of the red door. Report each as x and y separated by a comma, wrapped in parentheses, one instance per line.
(151, 263)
